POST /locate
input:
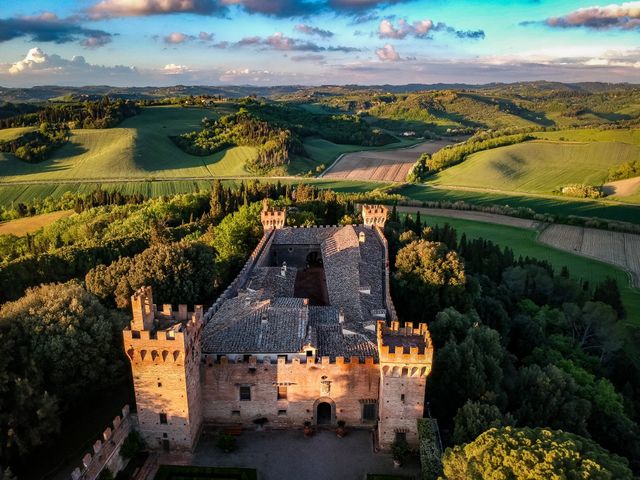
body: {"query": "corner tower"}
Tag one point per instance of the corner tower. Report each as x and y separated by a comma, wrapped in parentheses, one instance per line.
(272, 218)
(164, 349)
(374, 215)
(406, 356)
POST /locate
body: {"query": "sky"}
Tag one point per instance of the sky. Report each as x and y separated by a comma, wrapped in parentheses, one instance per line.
(315, 42)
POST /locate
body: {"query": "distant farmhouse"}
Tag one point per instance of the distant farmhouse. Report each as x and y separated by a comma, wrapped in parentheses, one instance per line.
(306, 332)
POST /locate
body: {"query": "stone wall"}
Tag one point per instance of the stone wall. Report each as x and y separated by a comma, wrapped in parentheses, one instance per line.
(106, 450)
(346, 384)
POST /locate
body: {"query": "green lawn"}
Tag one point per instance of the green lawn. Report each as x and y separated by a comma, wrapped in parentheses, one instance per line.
(139, 147)
(539, 166)
(524, 243)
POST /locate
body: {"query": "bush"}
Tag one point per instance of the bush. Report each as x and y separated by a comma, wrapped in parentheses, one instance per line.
(132, 445)
(429, 449)
(226, 443)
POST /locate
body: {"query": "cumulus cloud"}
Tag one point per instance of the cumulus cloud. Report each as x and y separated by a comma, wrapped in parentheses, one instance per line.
(388, 54)
(205, 37)
(173, 69)
(625, 16)
(310, 30)
(38, 62)
(419, 29)
(140, 8)
(422, 29)
(48, 27)
(279, 41)
(362, 5)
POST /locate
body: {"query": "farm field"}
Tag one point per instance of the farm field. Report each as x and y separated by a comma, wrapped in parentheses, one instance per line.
(538, 166)
(627, 189)
(554, 205)
(622, 249)
(22, 226)
(524, 242)
(139, 148)
(628, 135)
(389, 166)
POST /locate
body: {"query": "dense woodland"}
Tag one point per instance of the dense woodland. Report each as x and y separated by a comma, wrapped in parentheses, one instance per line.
(104, 113)
(518, 345)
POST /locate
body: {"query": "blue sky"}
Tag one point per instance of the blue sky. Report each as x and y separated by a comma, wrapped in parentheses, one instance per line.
(274, 42)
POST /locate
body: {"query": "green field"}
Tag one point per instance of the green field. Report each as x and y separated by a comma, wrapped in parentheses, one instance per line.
(11, 133)
(139, 148)
(524, 243)
(554, 205)
(631, 136)
(539, 166)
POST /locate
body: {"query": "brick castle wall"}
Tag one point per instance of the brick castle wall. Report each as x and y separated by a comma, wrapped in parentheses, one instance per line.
(344, 384)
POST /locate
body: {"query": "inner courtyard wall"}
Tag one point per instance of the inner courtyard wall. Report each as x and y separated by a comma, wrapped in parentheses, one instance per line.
(346, 385)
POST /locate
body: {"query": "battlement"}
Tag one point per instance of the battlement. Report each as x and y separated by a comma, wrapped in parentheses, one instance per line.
(272, 218)
(374, 215)
(267, 360)
(406, 348)
(165, 335)
(147, 317)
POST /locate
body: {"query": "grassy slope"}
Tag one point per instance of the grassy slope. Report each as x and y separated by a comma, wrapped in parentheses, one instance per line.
(538, 166)
(139, 148)
(524, 243)
(631, 136)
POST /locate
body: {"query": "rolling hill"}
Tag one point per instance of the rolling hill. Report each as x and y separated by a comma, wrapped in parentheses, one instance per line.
(139, 148)
(539, 166)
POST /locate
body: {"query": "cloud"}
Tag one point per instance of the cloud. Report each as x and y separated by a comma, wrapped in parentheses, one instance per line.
(362, 5)
(310, 30)
(625, 16)
(173, 69)
(388, 54)
(273, 8)
(37, 62)
(205, 37)
(463, 34)
(309, 57)
(279, 41)
(419, 29)
(177, 38)
(140, 8)
(48, 27)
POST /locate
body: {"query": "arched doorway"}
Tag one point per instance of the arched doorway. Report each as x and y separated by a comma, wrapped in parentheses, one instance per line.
(324, 414)
(324, 411)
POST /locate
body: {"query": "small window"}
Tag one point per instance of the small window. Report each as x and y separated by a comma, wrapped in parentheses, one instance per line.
(309, 353)
(159, 384)
(245, 392)
(245, 358)
(164, 435)
(235, 413)
(401, 437)
(282, 413)
(163, 418)
(402, 397)
(282, 392)
(369, 411)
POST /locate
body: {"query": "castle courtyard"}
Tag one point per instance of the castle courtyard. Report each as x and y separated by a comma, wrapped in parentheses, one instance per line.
(286, 454)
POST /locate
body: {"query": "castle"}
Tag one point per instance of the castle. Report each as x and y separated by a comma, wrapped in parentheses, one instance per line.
(307, 332)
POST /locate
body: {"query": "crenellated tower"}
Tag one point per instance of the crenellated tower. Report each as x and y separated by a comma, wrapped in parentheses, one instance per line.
(406, 355)
(272, 218)
(374, 215)
(164, 348)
